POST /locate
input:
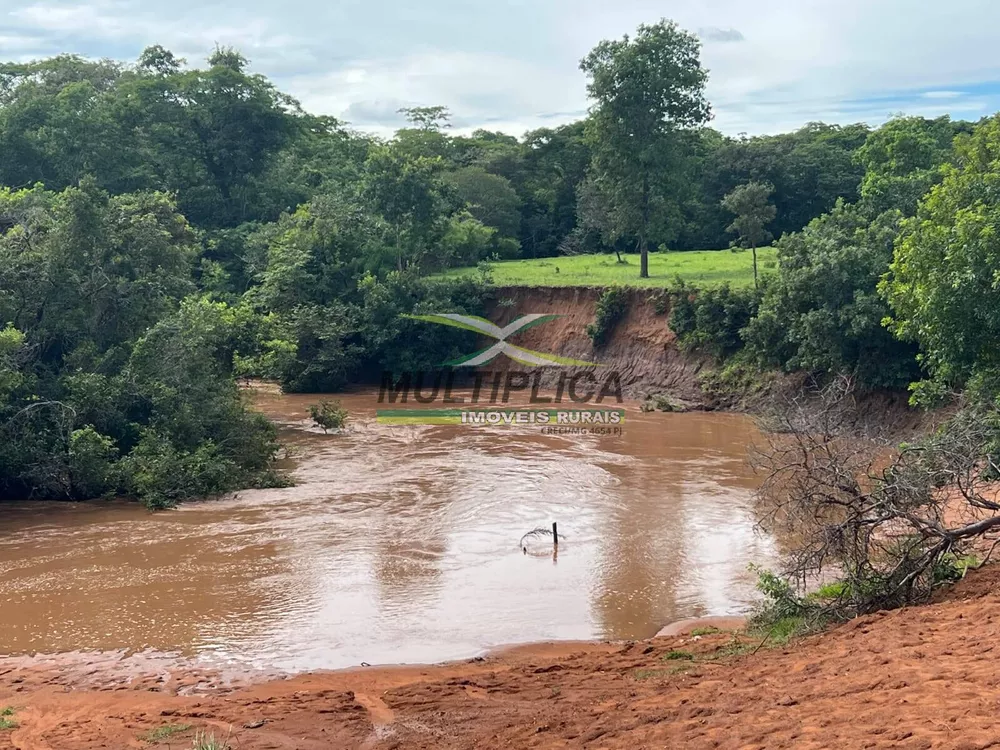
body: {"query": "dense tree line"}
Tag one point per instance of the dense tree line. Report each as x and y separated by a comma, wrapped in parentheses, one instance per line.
(235, 150)
(165, 228)
(861, 291)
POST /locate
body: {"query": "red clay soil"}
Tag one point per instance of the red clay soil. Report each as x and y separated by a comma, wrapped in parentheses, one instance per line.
(641, 350)
(925, 677)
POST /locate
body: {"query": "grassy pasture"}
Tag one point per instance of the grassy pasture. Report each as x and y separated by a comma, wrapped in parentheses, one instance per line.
(702, 268)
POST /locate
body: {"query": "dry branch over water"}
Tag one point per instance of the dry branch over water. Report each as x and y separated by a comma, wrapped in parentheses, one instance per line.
(893, 520)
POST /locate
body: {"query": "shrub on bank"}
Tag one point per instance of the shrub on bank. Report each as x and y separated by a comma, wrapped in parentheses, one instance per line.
(611, 307)
(712, 320)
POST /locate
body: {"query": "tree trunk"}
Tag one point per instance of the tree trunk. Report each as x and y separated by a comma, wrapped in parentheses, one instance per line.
(644, 250)
(754, 248)
(399, 249)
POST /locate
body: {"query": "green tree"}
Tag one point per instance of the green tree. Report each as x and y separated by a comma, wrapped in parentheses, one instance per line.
(204, 438)
(809, 168)
(159, 60)
(753, 210)
(427, 118)
(644, 89)
(210, 134)
(488, 197)
(232, 125)
(425, 136)
(822, 313)
(594, 214)
(57, 124)
(11, 346)
(328, 306)
(315, 255)
(467, 241)
(488, 149)
(546, 171)
(407, 193)
(81, 268)
(902, 160)
(942, 284)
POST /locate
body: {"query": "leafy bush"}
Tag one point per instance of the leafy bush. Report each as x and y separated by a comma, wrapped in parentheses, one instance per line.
(780, 599)
(822, 313)
(162, 475)
(712, 319)
(782, 613)
(330, 415)
(319, 342)
(6, 722)
(92, 458)
(951, 567)
(611, 307)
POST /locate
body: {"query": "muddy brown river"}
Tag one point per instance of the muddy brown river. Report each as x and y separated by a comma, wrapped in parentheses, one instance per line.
(400, 544)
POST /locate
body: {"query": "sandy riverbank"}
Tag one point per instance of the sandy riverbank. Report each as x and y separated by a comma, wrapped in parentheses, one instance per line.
(917, 678)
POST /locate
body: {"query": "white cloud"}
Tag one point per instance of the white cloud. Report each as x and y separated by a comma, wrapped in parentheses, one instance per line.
(10, 43)
(369, 93)
(941, 94)
(775, 64)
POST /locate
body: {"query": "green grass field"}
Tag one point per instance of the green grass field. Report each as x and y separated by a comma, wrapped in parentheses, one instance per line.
(703, 268)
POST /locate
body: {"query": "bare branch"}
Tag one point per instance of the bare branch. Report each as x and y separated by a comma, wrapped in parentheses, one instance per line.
(844, 494)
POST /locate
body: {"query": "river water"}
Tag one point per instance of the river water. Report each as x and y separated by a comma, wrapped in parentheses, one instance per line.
(400, 544)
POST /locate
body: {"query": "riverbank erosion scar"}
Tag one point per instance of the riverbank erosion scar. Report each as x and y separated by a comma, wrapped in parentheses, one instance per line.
(918, 677)
(641, 348)
(644, 355)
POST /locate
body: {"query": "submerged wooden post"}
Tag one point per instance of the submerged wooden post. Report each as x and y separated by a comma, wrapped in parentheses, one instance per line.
(555, 535)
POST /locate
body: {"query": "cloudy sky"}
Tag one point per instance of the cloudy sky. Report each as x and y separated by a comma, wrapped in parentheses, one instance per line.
(512, 64)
